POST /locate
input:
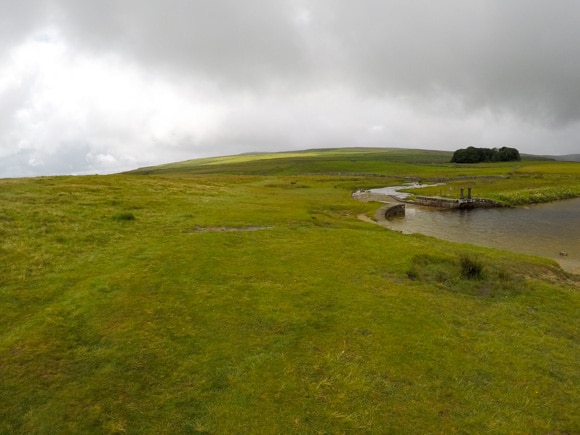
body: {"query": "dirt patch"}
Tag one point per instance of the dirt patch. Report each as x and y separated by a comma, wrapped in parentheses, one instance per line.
(363, 217)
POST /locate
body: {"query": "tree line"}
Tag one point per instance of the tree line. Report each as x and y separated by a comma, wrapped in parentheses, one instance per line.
(478, 155)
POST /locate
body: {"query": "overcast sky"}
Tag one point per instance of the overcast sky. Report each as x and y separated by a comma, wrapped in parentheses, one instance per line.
(111, 85)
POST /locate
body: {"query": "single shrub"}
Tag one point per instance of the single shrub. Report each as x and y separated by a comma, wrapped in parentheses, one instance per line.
(471, 268)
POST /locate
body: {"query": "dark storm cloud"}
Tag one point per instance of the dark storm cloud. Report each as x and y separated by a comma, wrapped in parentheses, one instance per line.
(521, 56)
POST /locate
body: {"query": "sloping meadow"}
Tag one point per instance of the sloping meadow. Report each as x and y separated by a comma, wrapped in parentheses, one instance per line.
(262, 304)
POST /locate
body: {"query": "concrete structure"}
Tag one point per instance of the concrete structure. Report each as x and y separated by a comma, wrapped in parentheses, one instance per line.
(395, 211)
(465, 203)
(430, 201)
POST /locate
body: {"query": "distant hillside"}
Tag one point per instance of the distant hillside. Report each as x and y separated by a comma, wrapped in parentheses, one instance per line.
(567, 158)
(331, 161)
(314, 161)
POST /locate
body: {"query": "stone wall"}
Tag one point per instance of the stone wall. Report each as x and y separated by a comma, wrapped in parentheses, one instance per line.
(394, 211)
(435, 201)
(483, 202)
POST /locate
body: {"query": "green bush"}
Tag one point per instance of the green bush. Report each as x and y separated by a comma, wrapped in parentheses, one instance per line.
(477, 155)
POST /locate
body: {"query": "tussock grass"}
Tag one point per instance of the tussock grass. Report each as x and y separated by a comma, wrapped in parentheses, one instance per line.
(471, 268)
(311, 326)
(124, 217)
(467, 274)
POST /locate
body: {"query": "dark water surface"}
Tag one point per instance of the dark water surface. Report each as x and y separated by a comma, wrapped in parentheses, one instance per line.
(544, 230)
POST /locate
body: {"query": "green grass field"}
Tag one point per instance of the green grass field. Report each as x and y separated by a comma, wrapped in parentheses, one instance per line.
(248, 298)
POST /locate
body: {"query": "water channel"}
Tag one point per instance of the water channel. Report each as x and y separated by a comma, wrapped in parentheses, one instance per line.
(548, 230)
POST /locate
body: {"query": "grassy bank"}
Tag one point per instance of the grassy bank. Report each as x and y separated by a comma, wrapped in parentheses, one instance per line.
(525, 183)
(261, 304)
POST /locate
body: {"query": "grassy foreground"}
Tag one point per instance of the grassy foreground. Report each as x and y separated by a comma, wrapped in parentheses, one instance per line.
(260, 304)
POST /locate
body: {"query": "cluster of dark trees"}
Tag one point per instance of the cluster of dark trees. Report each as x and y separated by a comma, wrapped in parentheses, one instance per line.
(477, 155)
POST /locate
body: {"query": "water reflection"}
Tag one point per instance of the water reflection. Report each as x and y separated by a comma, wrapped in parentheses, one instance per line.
(545, 230)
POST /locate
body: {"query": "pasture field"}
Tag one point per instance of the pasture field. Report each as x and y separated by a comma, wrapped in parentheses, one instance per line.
(257, 301)
(389, 162)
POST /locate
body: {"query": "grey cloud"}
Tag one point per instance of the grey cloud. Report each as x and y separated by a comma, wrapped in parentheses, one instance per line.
(522, 56)
(18, 19)
(244, 44)
(68, 158)
(286, 74)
